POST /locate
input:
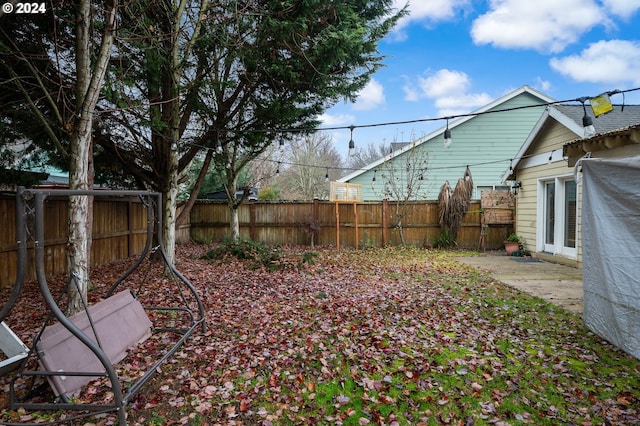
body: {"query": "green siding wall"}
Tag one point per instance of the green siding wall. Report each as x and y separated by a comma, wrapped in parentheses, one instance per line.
(485, 142)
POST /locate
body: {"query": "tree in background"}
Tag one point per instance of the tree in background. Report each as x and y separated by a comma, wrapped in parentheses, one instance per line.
(188, 78)
(52, 65)
(212, 180)
(403, 179)
(370, 153)
(228, 79)
(311, 163)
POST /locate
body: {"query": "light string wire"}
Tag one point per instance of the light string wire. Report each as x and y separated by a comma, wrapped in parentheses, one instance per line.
(580, 100)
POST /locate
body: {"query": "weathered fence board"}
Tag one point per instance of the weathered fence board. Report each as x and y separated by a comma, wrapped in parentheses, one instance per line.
(119, 231)
(119, 227)
(344, 224)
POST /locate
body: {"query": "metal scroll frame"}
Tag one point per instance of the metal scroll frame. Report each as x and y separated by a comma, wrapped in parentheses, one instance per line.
(153, 201)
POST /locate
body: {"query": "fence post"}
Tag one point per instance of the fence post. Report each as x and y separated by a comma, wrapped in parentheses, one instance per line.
(385, 205)
(252, 221)
(337, 227)
(129, 228)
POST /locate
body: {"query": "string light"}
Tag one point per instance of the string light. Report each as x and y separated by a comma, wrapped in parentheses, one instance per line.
(447, 136)
(587, 122)
(395, 123)
(352, 144)
(374, 175)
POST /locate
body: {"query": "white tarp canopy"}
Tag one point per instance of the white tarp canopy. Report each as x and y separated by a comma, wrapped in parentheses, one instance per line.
(611, 249)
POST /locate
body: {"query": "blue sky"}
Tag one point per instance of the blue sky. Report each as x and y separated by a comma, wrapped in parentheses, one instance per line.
(452, 57)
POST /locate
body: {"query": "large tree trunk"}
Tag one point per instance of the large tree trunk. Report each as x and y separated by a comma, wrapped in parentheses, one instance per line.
(234, 221)
(186, 211)
(78, 248)
(170, 201)
(89, 77)
(234, 224)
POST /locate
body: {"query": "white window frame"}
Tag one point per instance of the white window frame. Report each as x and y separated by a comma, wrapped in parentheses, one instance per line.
(558, 247)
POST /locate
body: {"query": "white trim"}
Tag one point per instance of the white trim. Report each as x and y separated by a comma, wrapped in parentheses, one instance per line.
(548, 157)
(554, 113)
(558, 247)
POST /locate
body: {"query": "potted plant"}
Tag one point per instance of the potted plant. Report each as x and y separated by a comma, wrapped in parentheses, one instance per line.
(512, 244)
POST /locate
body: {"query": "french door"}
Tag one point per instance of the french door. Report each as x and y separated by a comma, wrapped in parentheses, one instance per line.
(558, 214)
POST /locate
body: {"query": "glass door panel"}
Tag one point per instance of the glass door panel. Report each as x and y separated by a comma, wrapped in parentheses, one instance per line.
(570, 213)
(549, 212)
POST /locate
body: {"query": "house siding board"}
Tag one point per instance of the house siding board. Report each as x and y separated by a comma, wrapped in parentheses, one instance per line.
(553, 135)
(486, 142)
(550, 137)
(526, 220)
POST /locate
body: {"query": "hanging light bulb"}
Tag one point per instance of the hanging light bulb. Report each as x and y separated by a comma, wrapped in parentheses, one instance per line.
(587, 123)
(281, 144)
(219, 147)
(447, 136)
(326, 175)
(278, 168)
(374, 176)
(352, 144)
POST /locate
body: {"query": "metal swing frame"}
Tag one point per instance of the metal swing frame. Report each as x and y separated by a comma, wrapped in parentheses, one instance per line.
(30, 204)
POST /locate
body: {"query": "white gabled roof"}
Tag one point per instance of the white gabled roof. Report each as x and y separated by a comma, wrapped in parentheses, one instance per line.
(570, 116)
(452, 124)
(552, 112)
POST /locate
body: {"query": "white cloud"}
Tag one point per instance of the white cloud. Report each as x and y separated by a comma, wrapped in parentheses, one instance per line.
(612, 61)
(330, 120)
(543, 85)
(444, 82)
(432, 10)
(411, 92)
(450, 91)
(426, 11)
(622, 8)
(371, 96)
(543, 25)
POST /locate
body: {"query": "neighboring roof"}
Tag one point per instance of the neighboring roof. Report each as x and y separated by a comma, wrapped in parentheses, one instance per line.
(452, 124)
(571, 116)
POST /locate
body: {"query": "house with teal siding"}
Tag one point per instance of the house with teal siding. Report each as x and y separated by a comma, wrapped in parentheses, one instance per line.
(485, 140)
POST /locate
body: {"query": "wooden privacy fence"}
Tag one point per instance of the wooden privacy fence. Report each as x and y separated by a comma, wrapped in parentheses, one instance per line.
(119, 231)
(349, 224)
(120, 224)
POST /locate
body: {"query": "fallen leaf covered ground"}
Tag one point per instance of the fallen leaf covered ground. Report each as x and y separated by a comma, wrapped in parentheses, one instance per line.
(392, 336)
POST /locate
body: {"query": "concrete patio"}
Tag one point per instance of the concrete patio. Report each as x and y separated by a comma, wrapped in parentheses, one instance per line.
(555, 283)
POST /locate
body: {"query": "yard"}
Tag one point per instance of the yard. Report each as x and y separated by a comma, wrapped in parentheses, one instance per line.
(382, 336)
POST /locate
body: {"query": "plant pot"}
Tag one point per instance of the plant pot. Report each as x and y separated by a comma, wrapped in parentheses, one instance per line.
(511, 247)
